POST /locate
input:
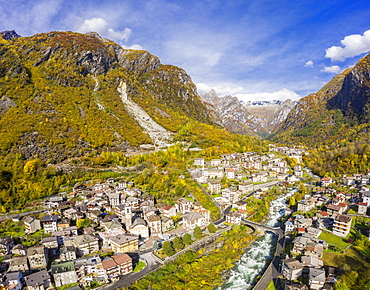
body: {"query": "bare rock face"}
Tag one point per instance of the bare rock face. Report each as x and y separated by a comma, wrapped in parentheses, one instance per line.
(138, 61)
(9, 34)
(5, 104)
(252, 118)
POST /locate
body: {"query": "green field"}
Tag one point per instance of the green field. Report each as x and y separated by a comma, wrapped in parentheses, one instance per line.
(333, 240)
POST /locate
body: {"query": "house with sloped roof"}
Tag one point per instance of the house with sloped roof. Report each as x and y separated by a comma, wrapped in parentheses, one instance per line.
(315, 250)
(67, 253)
(38, 281)
(139, 228)
(104, 237)
(312, 261)
(19, 250)
(316, 278)
(19, 263)
(155, 224)
(169, 211)
(291, 269)
(110, 225)
(37, 257)
(167, 223)
(342, 225)
(193, 219)
(183, 205)
(116, 266)
(6, 244)
(85, 244)
(31, 224)
(334, 210)
(124, 243)
(89, 269)
(64, 273)
(49, 223)
(14, 280)
(362, 208)
(233, 217)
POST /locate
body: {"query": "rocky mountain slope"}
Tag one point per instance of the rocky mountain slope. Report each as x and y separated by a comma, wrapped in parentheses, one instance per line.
(65, 94)
(250, 118)
(339, 112)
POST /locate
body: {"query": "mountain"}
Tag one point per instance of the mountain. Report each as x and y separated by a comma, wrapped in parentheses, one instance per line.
(64, 94)
(230, 113)
(338, 112)
(253, 118)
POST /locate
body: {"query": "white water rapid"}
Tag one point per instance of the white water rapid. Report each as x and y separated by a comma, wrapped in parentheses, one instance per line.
(254, 260)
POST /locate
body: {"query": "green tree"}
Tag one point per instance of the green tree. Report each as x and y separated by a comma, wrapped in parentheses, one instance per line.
(198, 233)
(168, 249)
(292, 201)
(83, 223)
(178, 244)
(212, 229)
(187, 240)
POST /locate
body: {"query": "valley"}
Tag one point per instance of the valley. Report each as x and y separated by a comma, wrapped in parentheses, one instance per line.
(112, 163)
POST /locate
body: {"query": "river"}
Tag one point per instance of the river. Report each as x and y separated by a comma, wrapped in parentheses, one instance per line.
(254, 261)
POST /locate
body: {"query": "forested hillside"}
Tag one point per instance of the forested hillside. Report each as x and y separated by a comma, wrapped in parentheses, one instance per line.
(70, 96)
(335, 121)
(60, 95)
(336, 114)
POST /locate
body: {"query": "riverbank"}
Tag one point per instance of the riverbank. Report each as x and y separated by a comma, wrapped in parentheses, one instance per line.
(253, 263)
(203, 269)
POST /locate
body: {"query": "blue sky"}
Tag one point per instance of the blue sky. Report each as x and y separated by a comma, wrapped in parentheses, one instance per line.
(254, 49)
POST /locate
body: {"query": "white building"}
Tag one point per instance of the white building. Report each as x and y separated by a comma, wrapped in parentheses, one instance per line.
(342, 225)
(199, 161)
(366, 197)
(230, 173)
(193, 219)
(291, 269)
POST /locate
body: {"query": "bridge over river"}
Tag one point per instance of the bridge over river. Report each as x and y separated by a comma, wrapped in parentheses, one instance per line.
(273, 270)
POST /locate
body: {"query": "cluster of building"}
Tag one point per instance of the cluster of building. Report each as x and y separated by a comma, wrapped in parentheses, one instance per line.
(121, 219)
(92, 230)
(249, 169)
(307, 248)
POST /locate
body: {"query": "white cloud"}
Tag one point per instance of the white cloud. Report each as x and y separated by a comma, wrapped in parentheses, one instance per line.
(196, 53)
(332, 69)
(134, 46)
(354, 44)
(309, 64)
(220, 90)
(101, 26)
(282, 95)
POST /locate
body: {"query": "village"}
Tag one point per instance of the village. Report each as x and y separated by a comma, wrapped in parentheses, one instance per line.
(88, 236)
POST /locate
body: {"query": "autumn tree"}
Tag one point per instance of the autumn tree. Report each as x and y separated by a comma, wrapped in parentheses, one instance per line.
(198, 233)
(168, 249)
(83, 223)
(211, 227)
(178, 244)
(187, 240)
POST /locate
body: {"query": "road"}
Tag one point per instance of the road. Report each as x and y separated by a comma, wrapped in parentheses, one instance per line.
(19, 215)
(261, 185)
